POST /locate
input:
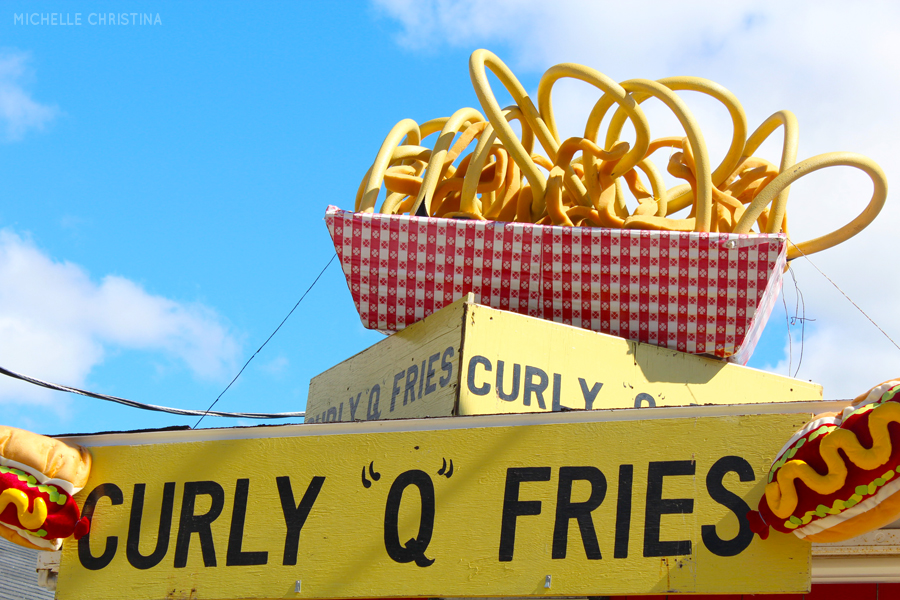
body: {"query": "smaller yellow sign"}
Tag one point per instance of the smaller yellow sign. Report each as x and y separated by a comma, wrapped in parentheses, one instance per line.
(583, 508)
(468, 359)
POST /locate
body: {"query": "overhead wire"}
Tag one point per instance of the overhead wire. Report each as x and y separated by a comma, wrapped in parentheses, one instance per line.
(142, 405)
(183, 411)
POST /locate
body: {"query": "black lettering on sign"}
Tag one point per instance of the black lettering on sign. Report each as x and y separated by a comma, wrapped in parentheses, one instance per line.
(331, 414)
(421, 379)
(535, 388)
(656, 507)
(644, 397)
(235, 555)
(484, 389)
(567, 510)
(447, 366)
(589, 394)
(623, 511)
(412, 375)
(429, 386)
(517, 373)
(557, 393)
(295, 515)
(372, 413)
(414, 549)
(353, 405)
(88, 560)
(732, 502)
(189, 523)
(133, 544)
(395, 389)
(514, 508)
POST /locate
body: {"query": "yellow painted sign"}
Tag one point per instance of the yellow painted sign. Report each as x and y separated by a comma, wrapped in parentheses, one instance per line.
(384, 382)
(564, 505)
(469, 359)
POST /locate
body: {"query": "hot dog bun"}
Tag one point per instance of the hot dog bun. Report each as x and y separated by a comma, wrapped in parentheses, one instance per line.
(52, 457)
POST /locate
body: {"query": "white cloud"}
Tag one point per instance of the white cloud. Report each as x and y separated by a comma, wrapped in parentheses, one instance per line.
(834, 67)
(19, 112)
(57, 324)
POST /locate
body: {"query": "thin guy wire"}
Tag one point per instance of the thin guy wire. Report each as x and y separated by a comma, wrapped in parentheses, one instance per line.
(797, 308)
(315, 281)
(787, 323)
(883, 332)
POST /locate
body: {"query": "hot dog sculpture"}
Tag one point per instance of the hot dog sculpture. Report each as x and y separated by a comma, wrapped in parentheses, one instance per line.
(837, 478)
(38, 477)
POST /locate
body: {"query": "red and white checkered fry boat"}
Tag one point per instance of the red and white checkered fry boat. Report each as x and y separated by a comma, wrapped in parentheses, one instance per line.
(703, 293)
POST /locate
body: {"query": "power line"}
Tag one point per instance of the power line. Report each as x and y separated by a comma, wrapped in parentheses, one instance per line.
(143, 406)
(182, 411)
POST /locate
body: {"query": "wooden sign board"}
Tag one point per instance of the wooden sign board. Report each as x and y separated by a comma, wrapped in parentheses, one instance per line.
(468, 359)
(565, 504)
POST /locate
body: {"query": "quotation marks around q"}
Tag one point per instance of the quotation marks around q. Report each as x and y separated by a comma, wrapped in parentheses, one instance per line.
(445, 471)
(372, 473)
(413, 551)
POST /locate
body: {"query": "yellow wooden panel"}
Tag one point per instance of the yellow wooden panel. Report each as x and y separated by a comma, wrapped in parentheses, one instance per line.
(412, 373)
(514, 364)
(565, 509)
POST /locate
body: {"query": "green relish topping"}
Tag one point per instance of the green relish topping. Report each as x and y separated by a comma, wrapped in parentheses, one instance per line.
(51, 490)
(839, 505)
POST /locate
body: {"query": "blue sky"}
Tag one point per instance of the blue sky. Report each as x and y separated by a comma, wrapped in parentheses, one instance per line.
(164, 185)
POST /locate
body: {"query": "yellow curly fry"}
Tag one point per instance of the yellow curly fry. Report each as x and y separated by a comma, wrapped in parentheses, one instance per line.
(392, 203)
(554, 199)
(505, 208)
(523, 205)
(479, 61)
(786, 119)
(683, 196)
(486, 147)
(810, 165)
(496, 171)
(572, 180)
(757, 177)
(674, 141)
(729, 100)
(702, 169)
(749, 168)
(18, 498)
(657, 186)
(781, 494)
(468, 134)
(582, 214)
(659, 223)
(402, 179)
(542, 161)
(612, 93)
(407, 128)
(437, 165)
(435, 125)
(636, 185)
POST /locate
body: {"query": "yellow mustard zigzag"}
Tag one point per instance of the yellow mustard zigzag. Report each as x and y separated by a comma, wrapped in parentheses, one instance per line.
(781, 494)
(29, 520)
